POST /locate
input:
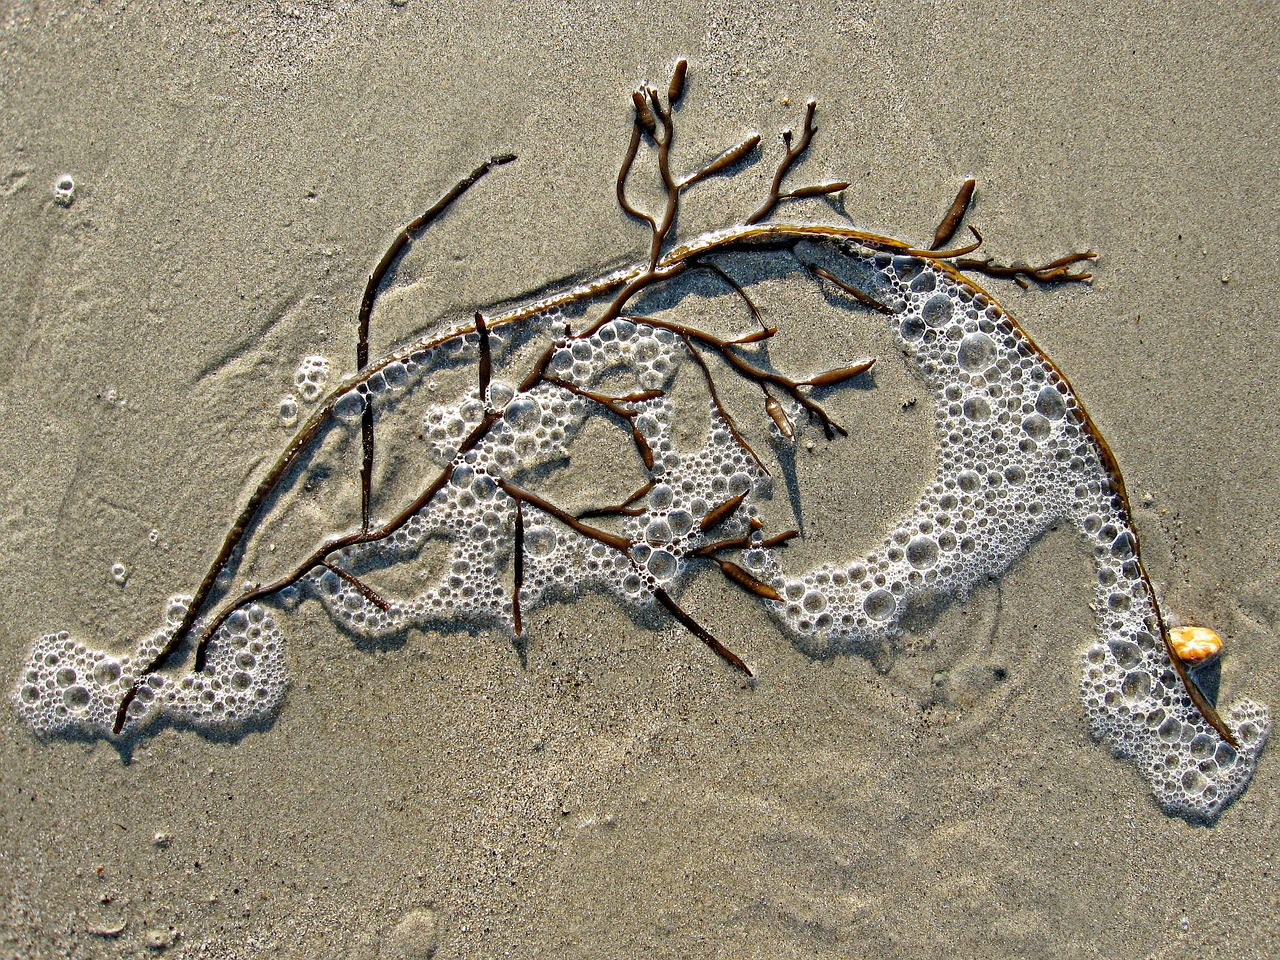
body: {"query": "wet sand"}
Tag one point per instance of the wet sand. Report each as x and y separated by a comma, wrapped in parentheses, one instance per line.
(623, 794)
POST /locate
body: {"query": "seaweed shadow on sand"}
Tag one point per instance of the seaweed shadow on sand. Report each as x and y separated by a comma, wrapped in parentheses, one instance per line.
(1016, 454)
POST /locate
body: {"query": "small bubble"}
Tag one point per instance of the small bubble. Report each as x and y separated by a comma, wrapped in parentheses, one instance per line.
(879, 605)
(661, 497)
(922, 553)
(1170, 730)
(76, 698)
(925, 282)
(976, 352)
(119, 573)
(64, 190)
(500, 394)
(540, 541)
(349, 406)
(662, 564)
(395, 373)
(658, 530)
(1037, 427)
(681, 522)
(1136, 686)
(977, 409)
(1050, 404)
(288, 410)
(523, 413)
(1194, 782)
(937, 310)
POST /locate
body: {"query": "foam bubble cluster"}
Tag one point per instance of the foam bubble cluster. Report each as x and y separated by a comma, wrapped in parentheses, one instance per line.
(310, 377)
(1016, 454)
(70, 689)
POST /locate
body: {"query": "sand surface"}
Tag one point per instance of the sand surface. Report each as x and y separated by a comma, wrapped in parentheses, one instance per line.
(238, 170)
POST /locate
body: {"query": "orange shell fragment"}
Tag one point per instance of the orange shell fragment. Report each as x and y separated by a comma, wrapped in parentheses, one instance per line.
(1195, 645)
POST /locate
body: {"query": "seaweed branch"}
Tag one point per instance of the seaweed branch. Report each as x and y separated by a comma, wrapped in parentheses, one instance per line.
(714, 268)
(720, 407)
(361, 587)
(794, 152)
(951, 220)
(603, 300)
(623, 546)
(726, 349)
(1055, 271)
(623, 509)
(615, 405)
(410, 232)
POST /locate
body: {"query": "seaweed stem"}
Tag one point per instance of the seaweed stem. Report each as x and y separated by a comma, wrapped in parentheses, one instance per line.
(950, 222)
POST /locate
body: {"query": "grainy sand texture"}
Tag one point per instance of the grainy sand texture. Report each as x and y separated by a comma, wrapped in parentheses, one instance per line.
(621, 793)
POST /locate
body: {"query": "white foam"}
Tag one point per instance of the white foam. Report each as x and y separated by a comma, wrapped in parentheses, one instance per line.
(1014, 456)
(70, 689)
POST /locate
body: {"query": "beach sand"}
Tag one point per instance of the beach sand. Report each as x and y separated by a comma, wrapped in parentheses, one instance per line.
(623, 794)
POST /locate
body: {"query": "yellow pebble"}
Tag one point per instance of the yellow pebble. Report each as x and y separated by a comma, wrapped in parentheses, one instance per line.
(1195, 645)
